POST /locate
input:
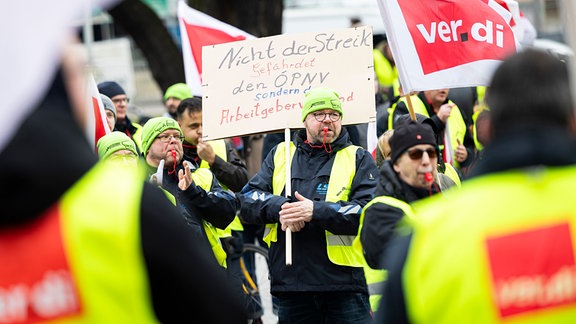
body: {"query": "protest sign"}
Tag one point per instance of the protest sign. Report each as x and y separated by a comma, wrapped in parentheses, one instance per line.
(258, 85)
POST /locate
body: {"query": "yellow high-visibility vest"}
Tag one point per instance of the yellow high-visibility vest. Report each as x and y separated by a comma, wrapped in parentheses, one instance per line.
(339, 247)
(88, 259)
(375, 278)
(509, 260)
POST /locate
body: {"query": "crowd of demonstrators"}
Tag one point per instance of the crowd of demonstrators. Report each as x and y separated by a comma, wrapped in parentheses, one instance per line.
(112, 247)
(116, 93)
(514, 248)
(123, 249)
(173, 95)
(331, 180)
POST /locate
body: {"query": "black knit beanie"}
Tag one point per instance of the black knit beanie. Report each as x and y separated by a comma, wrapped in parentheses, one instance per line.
(408, 135)
(110, 89)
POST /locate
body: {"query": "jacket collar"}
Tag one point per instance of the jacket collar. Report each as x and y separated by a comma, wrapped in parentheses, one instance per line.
(526, 147)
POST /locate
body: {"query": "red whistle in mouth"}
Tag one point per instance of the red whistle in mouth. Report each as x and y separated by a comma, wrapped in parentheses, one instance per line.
(428, 177)
(325, 129)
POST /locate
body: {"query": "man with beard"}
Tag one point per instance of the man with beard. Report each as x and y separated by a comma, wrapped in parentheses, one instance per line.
(332, 180)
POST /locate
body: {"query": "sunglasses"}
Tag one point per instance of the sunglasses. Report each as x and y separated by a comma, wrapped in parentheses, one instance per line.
(416, 154)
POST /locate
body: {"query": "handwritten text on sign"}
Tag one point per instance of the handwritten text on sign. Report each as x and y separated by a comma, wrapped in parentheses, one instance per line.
(258, 85)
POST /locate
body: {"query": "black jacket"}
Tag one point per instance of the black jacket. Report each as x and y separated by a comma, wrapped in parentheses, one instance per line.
(49, 153)
(311, 169)
(380, 219)
(216, 206)
(232, 173)
(539, 145)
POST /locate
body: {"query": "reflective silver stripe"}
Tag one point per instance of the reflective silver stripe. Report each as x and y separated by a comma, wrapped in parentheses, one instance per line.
(350, 209)
(340, 240)
(267, 230)
(376, 288)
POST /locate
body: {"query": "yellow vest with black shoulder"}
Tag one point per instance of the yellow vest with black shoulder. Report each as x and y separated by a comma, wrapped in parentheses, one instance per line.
(339, 247)
(375, 278)
(93, 270)
(203, 177)
(510, 259)
(219, 147)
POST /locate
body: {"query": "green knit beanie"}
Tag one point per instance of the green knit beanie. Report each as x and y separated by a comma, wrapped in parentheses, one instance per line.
(114, 142)
(179, 91)
(321, 98)
(154, 127)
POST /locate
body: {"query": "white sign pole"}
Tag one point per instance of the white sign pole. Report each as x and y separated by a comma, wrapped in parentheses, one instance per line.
(288, 191)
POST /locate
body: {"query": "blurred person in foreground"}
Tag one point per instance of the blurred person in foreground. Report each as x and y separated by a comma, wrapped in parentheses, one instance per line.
(511, 256)
(81, 241)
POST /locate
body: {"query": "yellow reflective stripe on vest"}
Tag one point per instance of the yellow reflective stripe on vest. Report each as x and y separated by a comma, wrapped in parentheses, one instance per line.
(278, 182)
(375, 278)
(101, 226)
(339, 247)
(340, 250)
(203, 177)
(137, 137)
(219, 147)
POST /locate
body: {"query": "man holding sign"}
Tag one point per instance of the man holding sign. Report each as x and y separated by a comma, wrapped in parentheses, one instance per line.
(332, 180)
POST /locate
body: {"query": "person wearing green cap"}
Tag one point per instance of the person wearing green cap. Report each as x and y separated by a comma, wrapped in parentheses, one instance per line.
(173, 96)
(117, 145)
(195, 189)
(331, 180)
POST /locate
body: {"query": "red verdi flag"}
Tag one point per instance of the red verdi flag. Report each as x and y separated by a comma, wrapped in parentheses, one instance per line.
(96, 122)
(198, 29)
(447, 43)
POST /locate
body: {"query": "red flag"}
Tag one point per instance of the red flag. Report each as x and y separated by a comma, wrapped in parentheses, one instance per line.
(447, 43)
(96, 122)
(372, 139)
(198, 29)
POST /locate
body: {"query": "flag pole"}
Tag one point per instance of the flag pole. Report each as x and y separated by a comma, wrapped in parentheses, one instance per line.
(410, 108)
(288, 192)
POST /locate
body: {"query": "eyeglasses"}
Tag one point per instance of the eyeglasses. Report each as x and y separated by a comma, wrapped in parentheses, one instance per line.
(320, 116)
(416, 154)
(168, 138)
(121, 100)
